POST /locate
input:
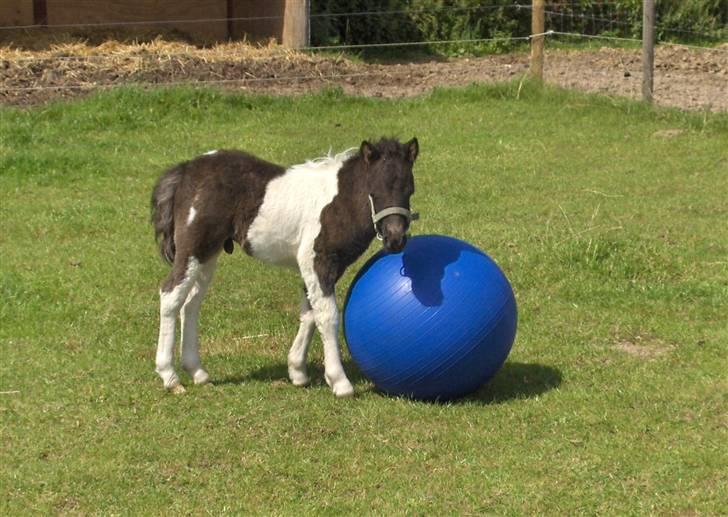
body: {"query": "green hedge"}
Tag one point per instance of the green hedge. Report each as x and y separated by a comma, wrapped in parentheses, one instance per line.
(429, 20)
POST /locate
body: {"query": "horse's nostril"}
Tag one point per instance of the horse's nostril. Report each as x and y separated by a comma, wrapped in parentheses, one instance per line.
(396, 245)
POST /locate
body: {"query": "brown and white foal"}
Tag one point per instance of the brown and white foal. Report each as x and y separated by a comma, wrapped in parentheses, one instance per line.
(318, 217)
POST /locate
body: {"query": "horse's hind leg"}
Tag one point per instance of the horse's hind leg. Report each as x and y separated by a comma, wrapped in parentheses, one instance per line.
(190, 315)
(297, 371)
(171, 297)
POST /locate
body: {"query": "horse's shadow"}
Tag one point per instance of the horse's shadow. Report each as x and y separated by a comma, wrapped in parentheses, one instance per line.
(279, 372)
(514, 381)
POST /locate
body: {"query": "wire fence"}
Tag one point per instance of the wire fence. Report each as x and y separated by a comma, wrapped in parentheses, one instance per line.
(600, 15)
(319, 15)
(54, 70)
(610, 23)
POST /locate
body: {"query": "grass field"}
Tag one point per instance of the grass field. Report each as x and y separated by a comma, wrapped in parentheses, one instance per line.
(608, 217)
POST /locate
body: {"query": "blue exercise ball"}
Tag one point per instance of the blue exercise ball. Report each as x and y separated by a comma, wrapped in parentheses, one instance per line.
(434, 322)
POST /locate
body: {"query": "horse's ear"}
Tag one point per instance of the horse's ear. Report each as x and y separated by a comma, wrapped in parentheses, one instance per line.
(368, 152)
(413, 149)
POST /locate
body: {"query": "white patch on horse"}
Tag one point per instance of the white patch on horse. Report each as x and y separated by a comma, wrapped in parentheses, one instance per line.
(283, 233)
(191, 216)
(288, 220)
(209, 153)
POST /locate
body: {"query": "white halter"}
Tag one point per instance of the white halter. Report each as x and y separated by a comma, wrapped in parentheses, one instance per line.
(378, 216)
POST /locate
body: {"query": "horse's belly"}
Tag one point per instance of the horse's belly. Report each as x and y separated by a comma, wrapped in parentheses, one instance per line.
(274, 238)
(272, 250)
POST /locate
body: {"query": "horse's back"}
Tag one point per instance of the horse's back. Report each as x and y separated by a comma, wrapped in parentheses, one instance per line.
(228, 174)
(218, 197)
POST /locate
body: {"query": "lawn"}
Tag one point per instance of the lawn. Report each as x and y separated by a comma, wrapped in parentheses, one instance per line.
(608, 216)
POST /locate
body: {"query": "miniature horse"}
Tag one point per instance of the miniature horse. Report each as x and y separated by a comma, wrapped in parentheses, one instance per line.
(319, 217)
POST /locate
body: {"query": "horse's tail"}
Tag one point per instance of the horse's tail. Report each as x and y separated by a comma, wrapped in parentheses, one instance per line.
(163, 211)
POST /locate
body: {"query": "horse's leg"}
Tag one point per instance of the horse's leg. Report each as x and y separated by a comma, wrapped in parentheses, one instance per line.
(297, 356)
(174, 291)
(190, 316)
(326, 316)
(327, 321)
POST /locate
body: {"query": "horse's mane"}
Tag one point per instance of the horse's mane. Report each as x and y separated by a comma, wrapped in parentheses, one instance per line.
(324, 162)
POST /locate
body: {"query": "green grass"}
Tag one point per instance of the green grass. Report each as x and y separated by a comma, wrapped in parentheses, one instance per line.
(611, 229)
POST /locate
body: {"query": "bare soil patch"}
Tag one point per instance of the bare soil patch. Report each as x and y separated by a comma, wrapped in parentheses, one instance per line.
(685, 77)
(643, 347)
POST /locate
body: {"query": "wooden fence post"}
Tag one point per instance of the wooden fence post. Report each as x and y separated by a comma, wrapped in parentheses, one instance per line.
(230, 23)
(648, 49)
(40, 12)
(296, 23)
(537, 27)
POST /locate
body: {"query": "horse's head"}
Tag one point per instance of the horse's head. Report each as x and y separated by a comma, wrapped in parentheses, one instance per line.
(391, 184)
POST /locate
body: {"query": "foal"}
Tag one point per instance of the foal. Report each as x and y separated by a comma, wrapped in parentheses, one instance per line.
(318, 217)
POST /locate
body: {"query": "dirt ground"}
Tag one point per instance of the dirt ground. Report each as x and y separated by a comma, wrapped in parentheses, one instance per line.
(684, 77)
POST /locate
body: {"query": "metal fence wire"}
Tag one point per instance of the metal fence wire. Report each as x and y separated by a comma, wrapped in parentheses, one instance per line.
(606, 22)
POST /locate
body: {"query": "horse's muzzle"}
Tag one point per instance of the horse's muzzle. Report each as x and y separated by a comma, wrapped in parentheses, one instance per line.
(395, 244)
(394, 232)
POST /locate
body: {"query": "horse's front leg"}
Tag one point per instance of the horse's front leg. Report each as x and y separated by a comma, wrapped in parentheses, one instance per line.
(326, 316)
(297, 371)
(327, 322)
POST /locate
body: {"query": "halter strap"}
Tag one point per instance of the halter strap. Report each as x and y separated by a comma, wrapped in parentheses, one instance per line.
(394, 210)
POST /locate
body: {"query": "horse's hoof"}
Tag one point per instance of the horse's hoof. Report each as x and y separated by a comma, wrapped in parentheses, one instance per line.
(341, 388)
(201, 377)
(344, 391)
(298, 377)
(301, 382)
(177, 389)
(169, 377)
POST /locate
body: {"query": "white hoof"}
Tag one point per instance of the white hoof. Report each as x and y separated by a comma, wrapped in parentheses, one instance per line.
(169, 378)
(341, 387)
(177, 389)
(298, 376)
(201, 377)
